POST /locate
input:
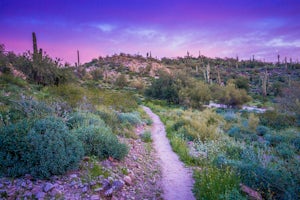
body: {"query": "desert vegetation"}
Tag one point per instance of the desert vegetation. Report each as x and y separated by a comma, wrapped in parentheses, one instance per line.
(54, 115)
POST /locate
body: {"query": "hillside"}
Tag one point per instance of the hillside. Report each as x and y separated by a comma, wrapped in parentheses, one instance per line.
(79, 131)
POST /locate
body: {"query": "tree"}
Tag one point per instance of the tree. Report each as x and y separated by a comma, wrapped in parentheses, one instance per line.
(164, 88)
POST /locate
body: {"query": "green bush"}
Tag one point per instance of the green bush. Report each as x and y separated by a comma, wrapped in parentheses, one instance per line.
(284, 150)
(146, 136)
(262, 130)
(131, 118)
(82, 119)
(277, 120)
(274, 139)
(213, 183)
(44, 149)
(99, 141)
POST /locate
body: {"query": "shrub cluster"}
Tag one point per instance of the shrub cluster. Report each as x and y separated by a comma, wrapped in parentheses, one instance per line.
(41, 148)
(46, 146)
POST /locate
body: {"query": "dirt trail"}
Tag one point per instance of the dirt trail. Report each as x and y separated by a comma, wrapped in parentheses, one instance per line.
(177, 180)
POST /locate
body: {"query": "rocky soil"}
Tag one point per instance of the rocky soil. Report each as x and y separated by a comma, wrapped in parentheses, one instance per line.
(138, 176)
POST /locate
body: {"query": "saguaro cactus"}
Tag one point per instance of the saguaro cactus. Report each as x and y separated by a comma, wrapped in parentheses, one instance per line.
(34, 42)
(265, 79)
(35, 48)
(78, 61)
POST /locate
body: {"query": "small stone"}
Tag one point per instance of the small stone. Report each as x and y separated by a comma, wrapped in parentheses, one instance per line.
(55, 192)
(110, 179)
(48, 187)
(251, 193)
(131, 175)
(93, 183)
(118, 185)
(28, 194)
(127, 180)
(105, 184)
(28, 177)
(23, 184)
(73, 176)
(98, 189)
(134, 158)
(109, 192)
(40, 195)
(73, 183)
(95, 197)
(86, 158)
(84, 189)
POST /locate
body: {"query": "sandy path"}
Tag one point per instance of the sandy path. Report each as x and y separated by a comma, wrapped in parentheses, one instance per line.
(177, 180)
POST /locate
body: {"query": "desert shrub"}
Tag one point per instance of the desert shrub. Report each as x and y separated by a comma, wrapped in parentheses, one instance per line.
(70, 93)
(232, 96)
(99, 141)
(164, 88)
(213, 183)
(46, 148)
(146, 136)
(235, 132)
(110, 118)
(132, 118)
(6, 79)
(284, 150)
(277, 120)
(274, 139)
(13, 149)
(253, 121)
(195, 96)
(296, 144)
(262, 130)
(230, 117)
(82, 119)
(273, 184)
(121, 81)
(180, 147)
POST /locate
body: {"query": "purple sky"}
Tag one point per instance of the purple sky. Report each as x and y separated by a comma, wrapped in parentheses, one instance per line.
(217, 28)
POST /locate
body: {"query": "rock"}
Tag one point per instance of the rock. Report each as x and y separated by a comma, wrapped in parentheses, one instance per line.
(40, 195)
(134, 158)
(127, 180)
(98, 189)
(27, 194)
(28, 177)
(86, 158)
(84, 189)
(118, 185)
(73, 175)
(48, 187)
(73, 183)
(55, 192)
(131, 175)
(105, 184)
(109, 192)
(95, 197)
(251, 193)
(23, 184)
(92, 183)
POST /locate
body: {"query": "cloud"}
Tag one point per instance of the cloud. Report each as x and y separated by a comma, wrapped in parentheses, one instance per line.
(279, 42)
(104, 27)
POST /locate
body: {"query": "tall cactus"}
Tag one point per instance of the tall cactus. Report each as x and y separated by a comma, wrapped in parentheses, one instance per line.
(78, 60)
(285, 63)
(265, 79)
(208, 73)
(35, 48)
(278, 57)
